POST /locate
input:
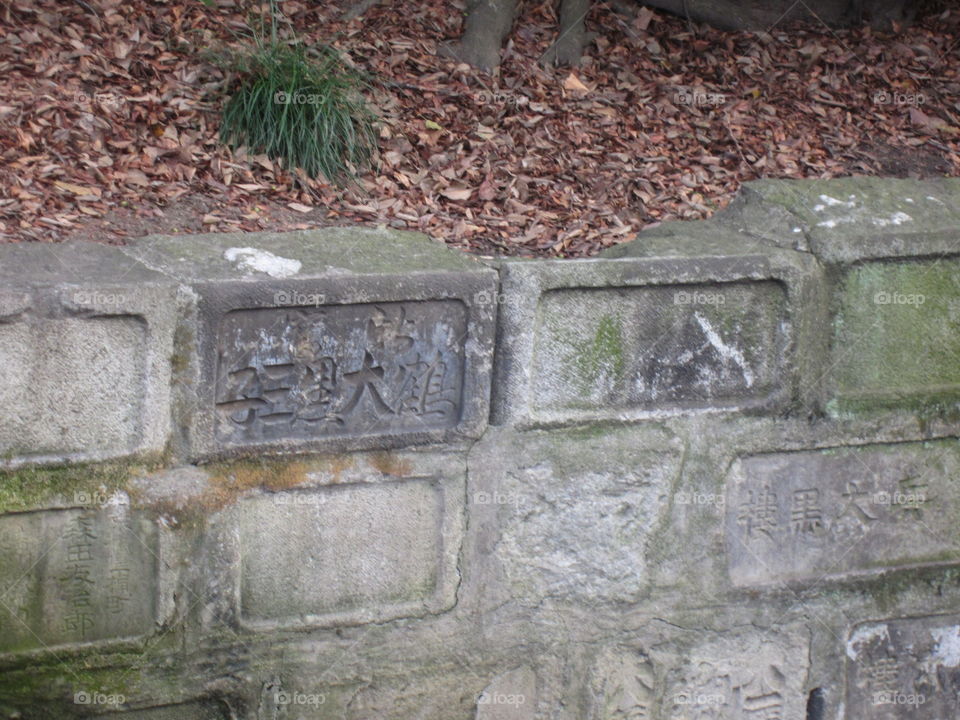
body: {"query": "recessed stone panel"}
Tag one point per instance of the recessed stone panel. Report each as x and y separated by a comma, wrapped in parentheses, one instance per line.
(75, 576)
(906, 668)
(811, 515)
(355, 553)
(347, 370)
(634, 348)
(897, 335)
(71, 385)
(86, 336)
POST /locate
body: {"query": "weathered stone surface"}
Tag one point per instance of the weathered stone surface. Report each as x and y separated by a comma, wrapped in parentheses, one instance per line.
(510, 696)
(897, 335)
(449, 695)
(846, 220)
(566, 514)
(331, 339)
(689, 328)
(622, 685)
(86, 336)
(812, 515)
(739, 675)
(76, 576)
(352, 545)
(906, 668)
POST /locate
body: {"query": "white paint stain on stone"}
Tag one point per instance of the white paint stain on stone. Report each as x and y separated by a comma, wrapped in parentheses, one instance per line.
(947, 651)
(898, 218)
(828, 201)
(728, 352)
(256, 260)
(864, 635)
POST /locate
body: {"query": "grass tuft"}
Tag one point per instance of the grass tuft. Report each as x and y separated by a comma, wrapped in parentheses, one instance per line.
(302, 108)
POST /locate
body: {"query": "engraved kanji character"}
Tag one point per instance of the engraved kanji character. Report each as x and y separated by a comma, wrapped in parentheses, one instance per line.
(78, 622)
(881, 675)
(79, 552)
(805, 513)
(77, 578)
(766, 706)
(368, 378)
(242, 396)
(396, 336)
(120, 582)
(317, 391)
(120, 592)
(912, 496)
(424, 388)
(759, 513)
(81, 530)
(856, 502)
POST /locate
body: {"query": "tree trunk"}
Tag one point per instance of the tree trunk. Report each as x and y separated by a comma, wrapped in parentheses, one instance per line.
(487, 24)
(489, 21)
(572, 37)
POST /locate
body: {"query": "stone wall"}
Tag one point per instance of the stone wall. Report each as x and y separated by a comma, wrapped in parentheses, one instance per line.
(349, 473)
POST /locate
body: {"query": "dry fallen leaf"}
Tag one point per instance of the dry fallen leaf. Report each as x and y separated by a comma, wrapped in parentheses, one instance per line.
(457, 192)
(573, 83)
(642, 21)
(77, 189)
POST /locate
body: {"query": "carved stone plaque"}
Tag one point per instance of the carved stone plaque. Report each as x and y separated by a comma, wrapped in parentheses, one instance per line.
(840, 511)
(75, 576)
(341, 370)
(907, 668)
(739, 677)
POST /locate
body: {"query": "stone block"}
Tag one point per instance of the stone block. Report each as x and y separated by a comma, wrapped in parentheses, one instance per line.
(893, 249)
(835, 513)
(661, 329)
(904, 668)
(347, 548)
(72, 577)
(566, 514)
(86, 336)
(849, 220)
(332, 339)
